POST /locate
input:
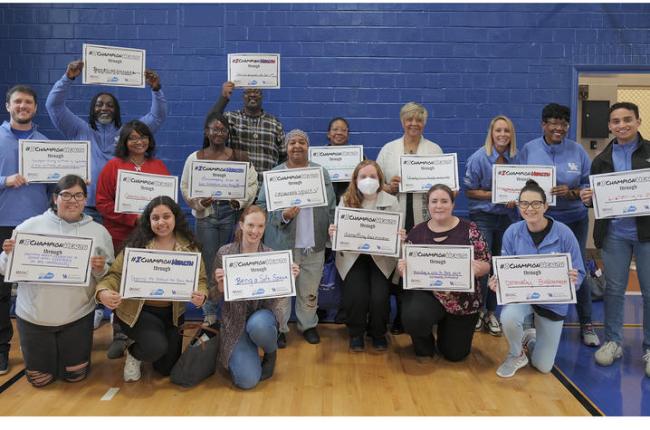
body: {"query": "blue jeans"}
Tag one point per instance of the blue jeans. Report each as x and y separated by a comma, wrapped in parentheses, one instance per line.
(617, 254)
(213, 232)
(492, 227)
(513, 319)
(244, 363)
(580, 229)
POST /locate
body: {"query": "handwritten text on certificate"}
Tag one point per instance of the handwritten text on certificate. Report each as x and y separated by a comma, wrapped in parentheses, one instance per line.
(439, 268)
(509, 179)
(135, 190)
(367, 231)
(621, 194)
(339, 160)
(539, 278)
(259, 275)
(254, 70)
(421, 172)
(48, 161)
(295, 187)
(223, 180)
(160, 275)
(50, 259)
(111, 65)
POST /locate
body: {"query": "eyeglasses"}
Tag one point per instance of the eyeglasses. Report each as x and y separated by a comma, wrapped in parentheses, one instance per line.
(142, 139)
(563, 125)
(535, 204)
(66, 197)
(221, 131)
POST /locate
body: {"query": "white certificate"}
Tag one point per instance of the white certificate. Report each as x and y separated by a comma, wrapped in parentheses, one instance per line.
(47, 161)
(621, 194)
(537, 279)
(136, 189)
(50, 259)
(367, 231)
(509, 179)
(111, 65)
(439, 268)
(223, 180)
(259, 275)
(340, 161)
(421, 172)
(294, 187)
(254, 70)
(160, 275)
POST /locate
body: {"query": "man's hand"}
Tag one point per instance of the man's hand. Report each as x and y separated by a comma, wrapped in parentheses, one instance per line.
(74, 69)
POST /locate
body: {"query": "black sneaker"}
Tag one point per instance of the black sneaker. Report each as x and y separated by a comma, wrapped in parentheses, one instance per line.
(311, 336)
(397, 328)
(282, 341)
(380, 343)
(4, 362)
(357, 344)
(268, 365)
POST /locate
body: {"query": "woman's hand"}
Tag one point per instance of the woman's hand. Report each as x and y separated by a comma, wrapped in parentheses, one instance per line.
(493, 283)
(97, 264)
(560, 191)
(295, 270)
(573, 276)
(8, 246)
(586, 195)
(290, 213)
(394, 184)
(198, 298)
(480, 268)
(109, 298)
(511, 204)
(402, 234)
(206, 202)
(401, 266)
(218, 276)
(331, 230)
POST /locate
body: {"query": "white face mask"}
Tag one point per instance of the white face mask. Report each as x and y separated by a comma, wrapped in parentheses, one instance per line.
(368, 186)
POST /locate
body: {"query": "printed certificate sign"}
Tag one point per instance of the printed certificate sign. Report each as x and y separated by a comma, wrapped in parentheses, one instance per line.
(294, 187)
(223, 180)
(367, 231)
(136, 189)
(421, 172)
(47, 161)
(110, 65)
(340, 161)
(50, 259)
(509, 179)
(160, 275)
(621, 194)
(260, 275)
(439, 268)
(536, 279)
(254, 70)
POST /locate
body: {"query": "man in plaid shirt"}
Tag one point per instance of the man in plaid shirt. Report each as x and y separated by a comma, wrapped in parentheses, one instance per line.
(258, 133)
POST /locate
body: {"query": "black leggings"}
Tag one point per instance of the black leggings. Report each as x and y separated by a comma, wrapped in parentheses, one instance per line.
(421, 311)
(156, 338)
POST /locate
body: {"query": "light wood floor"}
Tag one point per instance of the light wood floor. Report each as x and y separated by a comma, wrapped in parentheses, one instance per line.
(324, 379)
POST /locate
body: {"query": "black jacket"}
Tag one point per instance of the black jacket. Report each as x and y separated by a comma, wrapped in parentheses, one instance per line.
(603, 163)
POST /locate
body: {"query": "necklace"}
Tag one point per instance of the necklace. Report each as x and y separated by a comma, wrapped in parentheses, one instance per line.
(138, 166)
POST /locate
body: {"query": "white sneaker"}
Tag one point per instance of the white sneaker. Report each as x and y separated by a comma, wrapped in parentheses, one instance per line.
(646, 358)
(99, 316)
(511, 365)
(492, 324)
(609, 352)
(131, 368)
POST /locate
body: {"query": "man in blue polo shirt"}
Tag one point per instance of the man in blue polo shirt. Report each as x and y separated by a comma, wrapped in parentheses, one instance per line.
(19, 200)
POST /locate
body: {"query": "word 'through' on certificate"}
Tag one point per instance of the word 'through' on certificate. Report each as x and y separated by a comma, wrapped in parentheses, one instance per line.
(367, 231)
(47, 161)
(509, 179)
(621, 194)
(222, 180)
(421, 172)
(339, 161)
(135, 190)
(294, 187)
(254, 70)
(439, 268)
(259, 275)
(115, 66)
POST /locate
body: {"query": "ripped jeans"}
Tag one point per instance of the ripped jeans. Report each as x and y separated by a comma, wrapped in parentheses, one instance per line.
(307, 283)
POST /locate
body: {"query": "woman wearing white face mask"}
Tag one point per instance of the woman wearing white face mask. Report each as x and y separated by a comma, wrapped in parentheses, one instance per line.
(366, 277)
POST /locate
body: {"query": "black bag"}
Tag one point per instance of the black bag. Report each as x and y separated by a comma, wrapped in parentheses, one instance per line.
(199, 360)
(596, 280)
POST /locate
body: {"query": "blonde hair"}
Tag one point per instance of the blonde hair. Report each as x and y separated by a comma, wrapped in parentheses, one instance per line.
(489, 145)
(352, 197)
(413, 110)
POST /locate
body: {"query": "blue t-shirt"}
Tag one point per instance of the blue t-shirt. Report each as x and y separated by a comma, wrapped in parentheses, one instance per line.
(624, 228)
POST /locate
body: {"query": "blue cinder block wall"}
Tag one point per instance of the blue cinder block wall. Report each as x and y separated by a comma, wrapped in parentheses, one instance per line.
(464, 62)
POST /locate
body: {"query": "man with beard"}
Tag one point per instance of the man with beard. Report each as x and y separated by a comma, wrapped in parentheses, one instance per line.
(18, 199)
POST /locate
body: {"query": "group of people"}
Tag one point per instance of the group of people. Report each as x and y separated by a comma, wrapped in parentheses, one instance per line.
(56, 322)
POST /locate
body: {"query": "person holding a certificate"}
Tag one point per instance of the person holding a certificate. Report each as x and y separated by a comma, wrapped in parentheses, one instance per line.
(619, 238)
(338, 132)
(216, 218)
(413, 117)
(572, 165)
(454, 313)
(55, 321)
(492, 219)
(536, 234)
(247, 325)
(103, 124)
(303, 230)
(152, 325)
(366, 278)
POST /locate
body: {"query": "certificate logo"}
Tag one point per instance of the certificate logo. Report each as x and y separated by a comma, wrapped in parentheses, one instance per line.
(436, 283)
(54, 176)
(533, 296)
(48, 275)
(335, 176)
(630, 209)
(157, 292)
(296, 201)
(218, 193)
(365, 246)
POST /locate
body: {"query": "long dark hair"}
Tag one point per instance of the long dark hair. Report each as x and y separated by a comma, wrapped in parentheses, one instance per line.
(92, 116)
(121, 148)
(212, 116)
(68, 181)
(143, 234)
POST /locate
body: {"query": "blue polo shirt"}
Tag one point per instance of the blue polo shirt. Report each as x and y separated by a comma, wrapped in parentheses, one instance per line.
(624, 228)
(478, 176)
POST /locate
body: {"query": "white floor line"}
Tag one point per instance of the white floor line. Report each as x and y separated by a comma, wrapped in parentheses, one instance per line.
(110, 393)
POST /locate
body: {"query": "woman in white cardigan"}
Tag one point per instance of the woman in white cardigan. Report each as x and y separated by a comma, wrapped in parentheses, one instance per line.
(365, 277)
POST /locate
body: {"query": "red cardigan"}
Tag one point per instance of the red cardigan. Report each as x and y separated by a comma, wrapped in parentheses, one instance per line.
(120, 225)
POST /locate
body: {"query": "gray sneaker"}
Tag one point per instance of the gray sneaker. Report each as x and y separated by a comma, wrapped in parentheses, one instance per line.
(589, 336)
(646, 358)
(511, 365)
(609, 352)
(528, 341)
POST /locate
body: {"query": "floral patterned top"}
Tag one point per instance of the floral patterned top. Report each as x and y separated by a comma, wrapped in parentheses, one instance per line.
(465, 233)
